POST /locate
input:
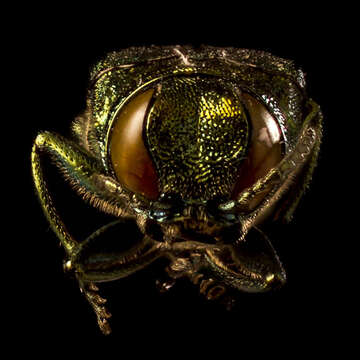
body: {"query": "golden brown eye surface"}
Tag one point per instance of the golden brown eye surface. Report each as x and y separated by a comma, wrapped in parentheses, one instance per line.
(130, 159)
(265, 150)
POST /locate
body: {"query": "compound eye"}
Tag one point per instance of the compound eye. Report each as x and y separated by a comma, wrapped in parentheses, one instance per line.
(130, 159)
(265, 150)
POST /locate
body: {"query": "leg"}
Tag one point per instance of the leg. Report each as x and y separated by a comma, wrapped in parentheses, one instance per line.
(250, 266)
(83, 172)
(102, 257)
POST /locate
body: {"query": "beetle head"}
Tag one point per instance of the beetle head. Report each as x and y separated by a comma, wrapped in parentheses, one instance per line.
(189, 135)
(192, 143)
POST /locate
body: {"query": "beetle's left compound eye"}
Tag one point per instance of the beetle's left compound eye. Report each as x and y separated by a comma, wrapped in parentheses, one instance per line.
(265, 151)
(130, 159)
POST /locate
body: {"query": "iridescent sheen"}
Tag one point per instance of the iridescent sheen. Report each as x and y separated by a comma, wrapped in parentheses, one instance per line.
(194, 148)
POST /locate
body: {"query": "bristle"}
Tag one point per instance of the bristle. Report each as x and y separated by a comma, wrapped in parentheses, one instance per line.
(109, 204)
(80, 129)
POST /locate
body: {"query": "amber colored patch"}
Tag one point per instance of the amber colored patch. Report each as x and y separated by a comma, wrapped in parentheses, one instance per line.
(130, 159)
(265, 151)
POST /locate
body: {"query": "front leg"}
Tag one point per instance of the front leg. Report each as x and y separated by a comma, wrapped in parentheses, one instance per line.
(103, 258)
(83, 171)
(249, 266)
(85, 174)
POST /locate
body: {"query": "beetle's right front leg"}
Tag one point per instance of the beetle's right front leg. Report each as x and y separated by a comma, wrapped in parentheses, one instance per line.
(100, 258)
(83, 171)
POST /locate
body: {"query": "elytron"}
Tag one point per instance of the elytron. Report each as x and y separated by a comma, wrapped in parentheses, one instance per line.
(196, 147)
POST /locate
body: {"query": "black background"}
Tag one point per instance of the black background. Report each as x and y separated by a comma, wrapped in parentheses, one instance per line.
(50, 60)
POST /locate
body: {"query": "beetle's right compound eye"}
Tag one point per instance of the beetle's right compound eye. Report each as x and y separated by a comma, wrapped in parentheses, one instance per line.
(130, 159)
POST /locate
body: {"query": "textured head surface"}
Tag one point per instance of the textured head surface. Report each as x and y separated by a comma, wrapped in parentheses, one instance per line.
(121, 75)
(197, 132)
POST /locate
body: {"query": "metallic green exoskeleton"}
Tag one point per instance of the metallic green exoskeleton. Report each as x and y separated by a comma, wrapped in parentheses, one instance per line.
(197, 147)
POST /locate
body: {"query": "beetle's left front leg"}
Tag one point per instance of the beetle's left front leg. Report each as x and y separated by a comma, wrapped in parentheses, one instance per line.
(249, 266)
